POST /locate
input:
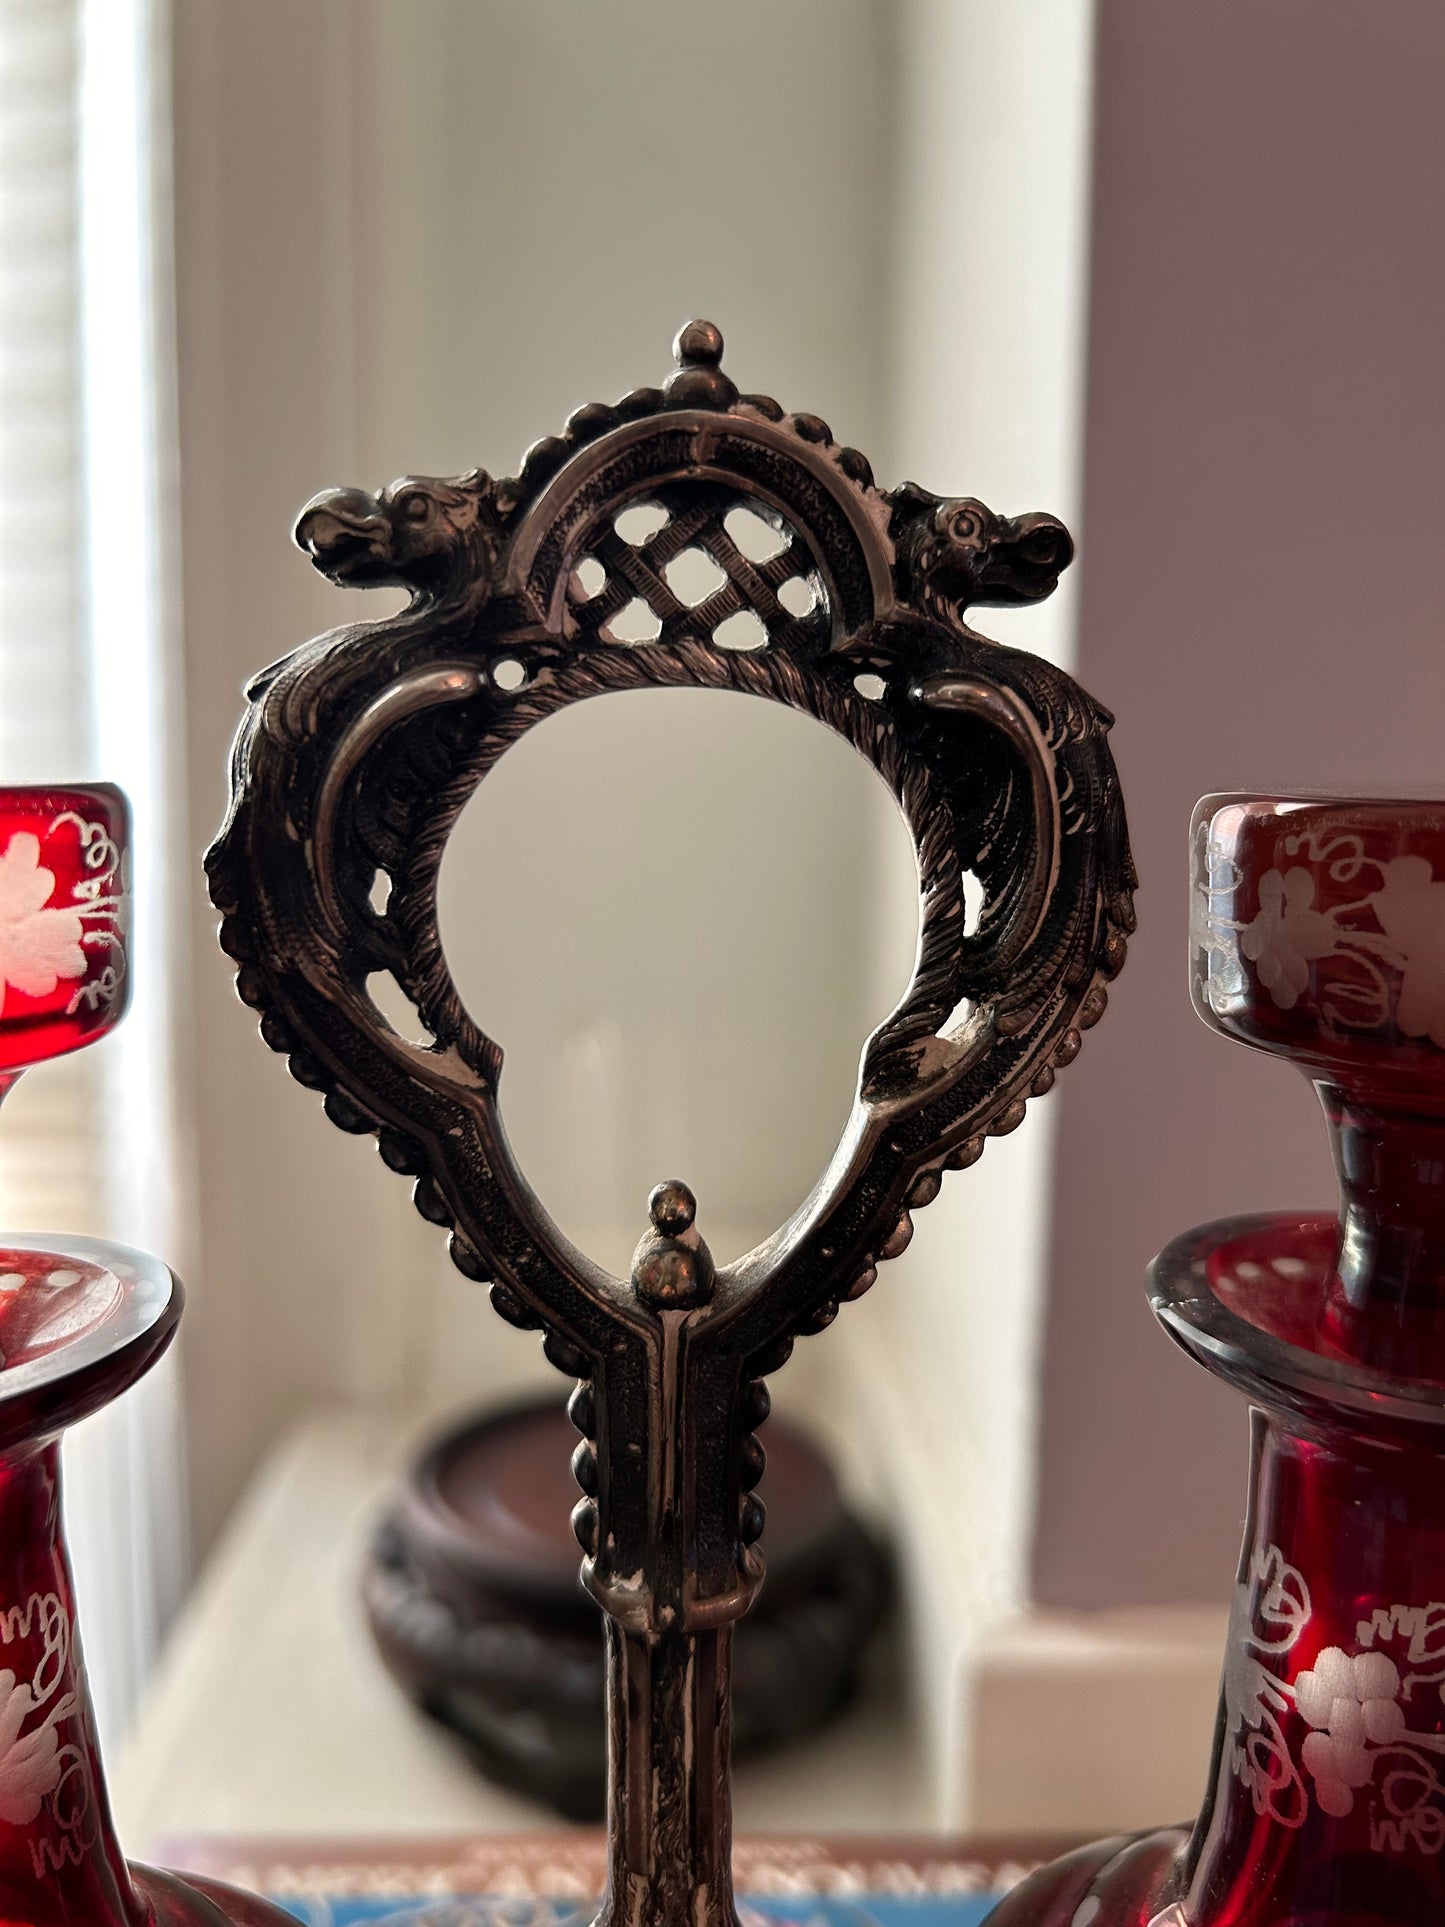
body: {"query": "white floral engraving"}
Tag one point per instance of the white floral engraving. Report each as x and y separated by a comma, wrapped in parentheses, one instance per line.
(1383, 948)
(1354, 1704)
(100, 899)
(1287, 935)
(38, 944)
(30, 1762)
(1411, 911)
(43, 943)
(1213, 951)
(1271, 1609)
(41, 1773)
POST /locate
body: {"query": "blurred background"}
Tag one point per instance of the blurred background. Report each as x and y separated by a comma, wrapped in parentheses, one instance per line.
(1175, 273)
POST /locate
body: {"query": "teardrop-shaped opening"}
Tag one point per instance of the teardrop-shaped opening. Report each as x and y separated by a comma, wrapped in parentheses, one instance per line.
(693, 577)
(758, 540)
(799, 595)
(589, 579)
(640, 523)
(636, 622)
(745, 630)
(668, 909)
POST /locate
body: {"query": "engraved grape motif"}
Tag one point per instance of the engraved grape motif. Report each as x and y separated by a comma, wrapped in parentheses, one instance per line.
(1355, 1705)
(1371, 956)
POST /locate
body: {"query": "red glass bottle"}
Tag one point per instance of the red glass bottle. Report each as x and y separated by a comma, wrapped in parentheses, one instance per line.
(1318, 933)
(79, 1322)
(64, 920)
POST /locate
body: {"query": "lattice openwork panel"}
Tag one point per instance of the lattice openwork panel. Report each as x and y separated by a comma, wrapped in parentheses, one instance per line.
(700, 561)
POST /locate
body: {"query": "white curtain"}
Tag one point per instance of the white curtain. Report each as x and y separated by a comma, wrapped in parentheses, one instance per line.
(85, 674)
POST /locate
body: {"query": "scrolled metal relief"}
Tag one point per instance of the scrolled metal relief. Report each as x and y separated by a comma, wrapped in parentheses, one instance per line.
(359, 751)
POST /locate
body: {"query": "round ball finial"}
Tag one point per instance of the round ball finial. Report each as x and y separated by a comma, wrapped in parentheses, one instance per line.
(699, 341)
(672, 1207)
(698, 381)
(672, 1268)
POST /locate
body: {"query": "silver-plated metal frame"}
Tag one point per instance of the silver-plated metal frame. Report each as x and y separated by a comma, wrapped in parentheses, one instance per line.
(355, 758)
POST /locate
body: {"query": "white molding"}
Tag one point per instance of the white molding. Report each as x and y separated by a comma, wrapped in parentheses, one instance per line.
(1095, 1723)
(1031, 1720)
(331, 1746)
(987, 365)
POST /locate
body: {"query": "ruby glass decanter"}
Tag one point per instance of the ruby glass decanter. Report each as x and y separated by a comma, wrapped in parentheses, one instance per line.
(1318, 933)
(80, 1321)
(353, 763)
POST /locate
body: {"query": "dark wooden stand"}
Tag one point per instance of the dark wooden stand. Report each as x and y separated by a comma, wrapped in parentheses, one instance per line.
(471, 1592)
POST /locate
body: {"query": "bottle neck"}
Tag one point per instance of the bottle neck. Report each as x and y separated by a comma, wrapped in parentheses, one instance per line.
(59, 1859)
(1387, 1303)
(1328, 1783)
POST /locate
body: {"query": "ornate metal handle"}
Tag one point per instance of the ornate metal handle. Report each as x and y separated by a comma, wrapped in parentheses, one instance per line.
(355, 758)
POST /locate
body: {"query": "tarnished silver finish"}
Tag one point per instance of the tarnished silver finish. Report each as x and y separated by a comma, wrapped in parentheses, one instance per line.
(354, 760)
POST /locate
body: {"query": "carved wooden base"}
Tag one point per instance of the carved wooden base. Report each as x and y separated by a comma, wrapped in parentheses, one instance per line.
(472, 1594)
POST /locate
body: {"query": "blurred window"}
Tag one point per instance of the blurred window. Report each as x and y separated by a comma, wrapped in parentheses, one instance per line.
(49, 1149)
(86, 1144)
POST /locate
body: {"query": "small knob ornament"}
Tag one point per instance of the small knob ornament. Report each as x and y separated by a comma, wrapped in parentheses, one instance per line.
(672, 1269)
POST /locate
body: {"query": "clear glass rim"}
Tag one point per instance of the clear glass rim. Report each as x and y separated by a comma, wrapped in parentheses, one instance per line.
(149, 1292)
(1405, 801)
(1268, 1368)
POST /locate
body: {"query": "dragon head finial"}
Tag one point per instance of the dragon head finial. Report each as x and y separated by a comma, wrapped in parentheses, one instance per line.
(419, 531)
(958, 552)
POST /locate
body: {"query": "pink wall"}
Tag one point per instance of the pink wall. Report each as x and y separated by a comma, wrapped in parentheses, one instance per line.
(1263, 604)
